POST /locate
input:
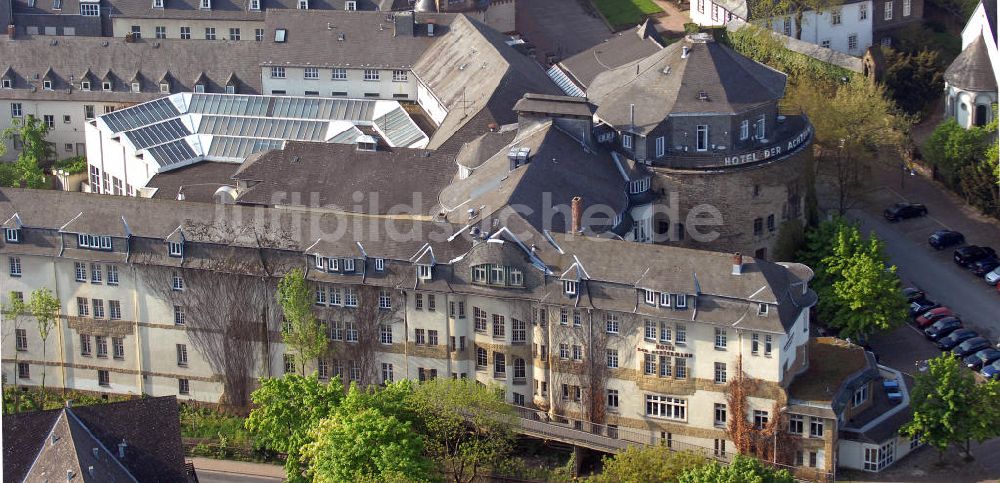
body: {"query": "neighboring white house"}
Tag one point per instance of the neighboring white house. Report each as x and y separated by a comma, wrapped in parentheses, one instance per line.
(845, 28)
(970, 81)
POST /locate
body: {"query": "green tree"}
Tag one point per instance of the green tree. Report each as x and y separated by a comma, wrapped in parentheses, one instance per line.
(395, 398)
(648, 463)
(14, 312)
(950, 408)
(468, 428)
(286, 409)
(300, 331)
(913, 79)
(45, 308)
(867, 297)
(743, 469)
(366, 445)
(952, 147)
(791, 239)
(27, 170)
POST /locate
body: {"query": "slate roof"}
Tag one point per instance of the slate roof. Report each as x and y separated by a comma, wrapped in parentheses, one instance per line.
(329, 175)
(624, 47)
(972, 69)
(990, 9)
(613, 266)
(5, 15)
(221, 9)
(79, 432)
(199, 181)
(370, 39)
(668, 83)
(558, 105)
(185, 60)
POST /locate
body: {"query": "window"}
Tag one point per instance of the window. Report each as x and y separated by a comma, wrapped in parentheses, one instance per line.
(102, 345)
(288, 363)
(387, 373)
(258, 35)
(209, 33)
(418, 337)
(160, 32)
(350, 297)
(815, 428)
(860, 395)
(770, 223)
(182, 355)
(767, 345)
(379, 264)
(852, 42)
(351, 332)
(177, 282)
(795, 424)
(206, 4)
(90, 9)
(480, 319)
(81, 271)
(564, 351)
(720, 338)
(577, 353)
(85, 345)
(835, 17)
(611, 323)
(680, 336)
(651, 297)
(103, 378)
(627, 141)
(661, 146)
(650, 333)
(499, 364)
(720, 414)
(649, 364)
(94, 242)
(254, 4)
(720, 372)
(481, 361)
(15, 110)
(666, 407)
(47, 85)
(371, 75)
(312, 73)
(399, 76)
(21, 339)
(715, 12)
(23, 370)
(320, 296)
(907, 6)
(98, 308)
(612, 358)
(888, 11)
(612, 399)
(303, 4)
(825, 44)
(50, 121)
(863, 11)
(186, 33)
(112, 274)
(759, 419)
(745, 129)
(701, 6)
(424, 272)
(384, 299)
(15, 266)
(432, 337)
(519, 331)
(5, 83)
(680, 301)
(520, 369)
(82, 307)
(702, 138)
(758, 226)
(680, 368)
(569, 287)
(179, 318)
(385, 334)
(118, 345)
(339, 73)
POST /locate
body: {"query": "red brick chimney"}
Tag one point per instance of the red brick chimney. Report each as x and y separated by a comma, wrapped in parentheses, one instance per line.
(576, 226)
(737, 263)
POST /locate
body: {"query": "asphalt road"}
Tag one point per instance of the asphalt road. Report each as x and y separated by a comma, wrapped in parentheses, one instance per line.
(934, 272)
(205, 476)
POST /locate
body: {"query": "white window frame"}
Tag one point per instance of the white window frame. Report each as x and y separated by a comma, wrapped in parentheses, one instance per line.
(311, 73)
(860, 396)
(571, 287)
(862, 11)
(680, 301)
(626, 141)
(661, 146)
(338, 73)
(372, 75)
(302, 4)
(205, 4)
(348, 264)
(424, 272)
(666, 407)
(650, 297)
(888, 11)
(400, 76)
(379, 264)
(665, 299)
(721, 338)
(701, 138)
(12, 235)
(255, 5)
(744, 129)
(90, 9)
(106, 85)
(835, 18)
(277, 72)
(16, 110)
(907, 8)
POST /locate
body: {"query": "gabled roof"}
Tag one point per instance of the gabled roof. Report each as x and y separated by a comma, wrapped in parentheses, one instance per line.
(8, 72)
(49, 74)
(89, 75)
(624, 47)
(709, 79)
(972, 69)
(137, 77)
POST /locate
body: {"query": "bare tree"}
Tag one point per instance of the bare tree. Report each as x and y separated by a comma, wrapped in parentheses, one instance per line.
(594, 379)
(768, 442)
(368, 318)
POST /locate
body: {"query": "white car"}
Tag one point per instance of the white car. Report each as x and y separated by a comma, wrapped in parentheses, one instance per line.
(993, 277)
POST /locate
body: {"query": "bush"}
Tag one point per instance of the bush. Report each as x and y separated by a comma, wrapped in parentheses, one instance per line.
(915, 80)
(692, 28)
(203, 422)
(758, 44)
(72, 165)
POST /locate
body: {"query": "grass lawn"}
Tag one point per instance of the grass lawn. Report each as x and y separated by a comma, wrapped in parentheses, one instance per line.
(626, 13)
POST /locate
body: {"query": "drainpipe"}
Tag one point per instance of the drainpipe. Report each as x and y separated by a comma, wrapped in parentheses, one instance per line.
(135, 325)
(59, 325)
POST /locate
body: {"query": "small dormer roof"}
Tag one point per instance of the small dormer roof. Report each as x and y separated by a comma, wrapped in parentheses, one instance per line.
(137, 77)
(176, 236)
(49, 74)
(425, 256)
(575, 272)
(8, 73)
(201, 79)
(88, 76)
(167, 78)
(108, 77)
(232, 80)
(13, 222)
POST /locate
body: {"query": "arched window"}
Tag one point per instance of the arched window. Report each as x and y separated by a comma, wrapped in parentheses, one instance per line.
(982, 113)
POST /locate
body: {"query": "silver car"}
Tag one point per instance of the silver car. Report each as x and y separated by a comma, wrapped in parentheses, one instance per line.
(993, 277)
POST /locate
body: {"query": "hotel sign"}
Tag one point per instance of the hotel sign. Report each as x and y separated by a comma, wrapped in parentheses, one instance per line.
(664, 350)
(771, 151)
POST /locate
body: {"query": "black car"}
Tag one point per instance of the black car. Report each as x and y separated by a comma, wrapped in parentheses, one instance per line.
(942, 328)
(966, 256)
(955, 338)
(942, 239)
(982, 358)
(984, 266)
(918, 307)
(902, 211)
(913, 294)
(970, 346)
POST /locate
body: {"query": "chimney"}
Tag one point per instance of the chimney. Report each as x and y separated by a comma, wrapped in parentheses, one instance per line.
(684, 51)
(11, 30)
(737, 263)
(403, 24)
(577, 213)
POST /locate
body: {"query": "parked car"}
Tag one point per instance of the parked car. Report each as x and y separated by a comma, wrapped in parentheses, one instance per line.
(970, 346)
(991, 371)
(913, 294)
(933, 315)
(993, 277)
(984, 266)
(918, 307)
(955, 338)
(942, 239)
(982, 358)
(965, 256)
(902, 211)
(942, 328)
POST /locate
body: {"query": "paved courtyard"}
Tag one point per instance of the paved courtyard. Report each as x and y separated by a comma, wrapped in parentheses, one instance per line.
(560, 28)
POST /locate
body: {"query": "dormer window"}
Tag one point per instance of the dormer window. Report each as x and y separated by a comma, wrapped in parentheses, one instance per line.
(199, 88)
(759, 125)
(255, 5)
(85, 86)
(744, 129)
(47, 85)
(348, 264)
(135, 87)
(93, 242)
(650, 297)
(762, 310)
(106, 85)
(320, 263)
(424, 272)
(570, 287)
(702, 138)
(516, 278)
(664, 299)
(12, 235)
(499, 275)
(380, 264)
(230, 89)
(175, 249)
(157, 3)
(279, 36)
(681, 301)
(164, 88)
(303, 4)
(6, 83)
(638, 186)
(479, 273)
(206, 4)
(627, 141)
(350, 5)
